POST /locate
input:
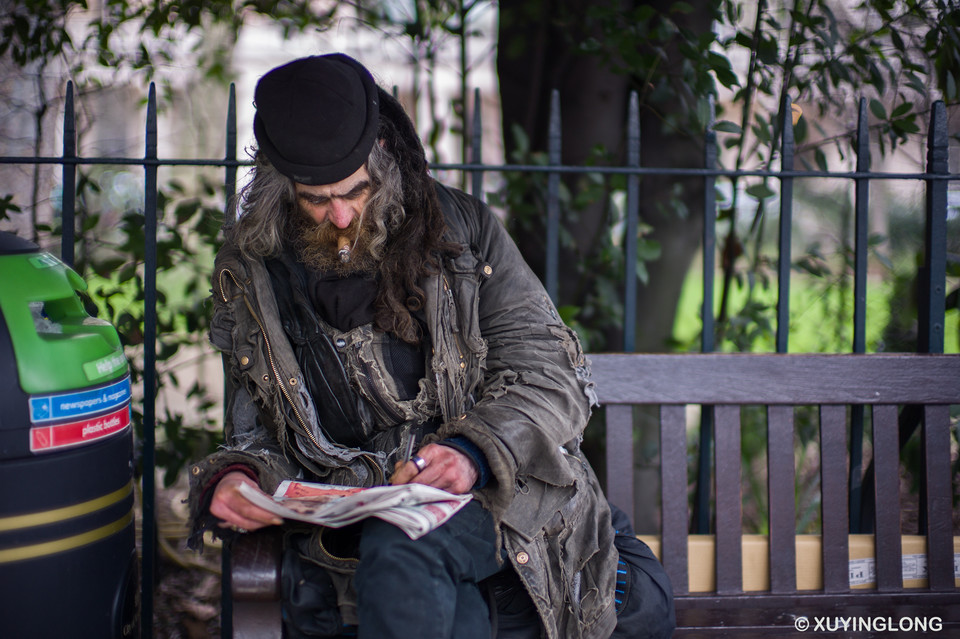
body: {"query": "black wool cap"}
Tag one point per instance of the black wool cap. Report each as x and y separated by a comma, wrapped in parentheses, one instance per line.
(317, 118)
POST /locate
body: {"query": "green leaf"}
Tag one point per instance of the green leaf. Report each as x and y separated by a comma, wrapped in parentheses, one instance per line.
(877, 108)
(760, 191)
(642, 274)
(726, 126)
(901, 110)
(821, 159)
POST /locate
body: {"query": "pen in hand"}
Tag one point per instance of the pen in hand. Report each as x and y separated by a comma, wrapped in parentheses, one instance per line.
(408, 453)
(407, 457)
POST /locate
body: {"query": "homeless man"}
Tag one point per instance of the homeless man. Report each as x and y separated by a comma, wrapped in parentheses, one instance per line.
(358, 304)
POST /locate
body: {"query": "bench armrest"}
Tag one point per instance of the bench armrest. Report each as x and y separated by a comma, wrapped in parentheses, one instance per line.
(255, 561)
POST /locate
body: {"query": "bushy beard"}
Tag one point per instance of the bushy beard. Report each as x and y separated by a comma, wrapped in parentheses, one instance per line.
(317, 245)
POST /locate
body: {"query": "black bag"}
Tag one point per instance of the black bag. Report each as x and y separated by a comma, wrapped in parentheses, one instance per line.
(309, 600)
(644, 597)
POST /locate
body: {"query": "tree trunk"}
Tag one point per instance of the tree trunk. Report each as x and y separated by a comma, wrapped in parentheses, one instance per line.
(538, 52)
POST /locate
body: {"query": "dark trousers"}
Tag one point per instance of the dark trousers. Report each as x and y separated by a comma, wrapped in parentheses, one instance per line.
(428, 587)
(422, 588)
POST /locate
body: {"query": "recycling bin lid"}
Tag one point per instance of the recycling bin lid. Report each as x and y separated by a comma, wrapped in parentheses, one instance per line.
(11, 244)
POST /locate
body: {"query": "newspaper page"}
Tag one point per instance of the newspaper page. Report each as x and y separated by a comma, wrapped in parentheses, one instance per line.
(414, 508)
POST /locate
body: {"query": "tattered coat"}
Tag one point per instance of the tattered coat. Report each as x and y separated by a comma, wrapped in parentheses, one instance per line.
(503, 371)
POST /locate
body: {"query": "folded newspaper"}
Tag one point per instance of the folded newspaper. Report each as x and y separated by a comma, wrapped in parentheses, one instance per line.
(414, 508)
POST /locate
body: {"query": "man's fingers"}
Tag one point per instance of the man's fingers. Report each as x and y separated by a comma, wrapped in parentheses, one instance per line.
(403, 472)
(446, 468)
(242, 513)
(234, 509)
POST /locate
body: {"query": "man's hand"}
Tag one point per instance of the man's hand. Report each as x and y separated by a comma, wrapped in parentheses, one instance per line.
(447, 468)
(234, 509)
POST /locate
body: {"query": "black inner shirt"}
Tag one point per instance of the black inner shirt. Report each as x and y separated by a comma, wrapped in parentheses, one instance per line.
(346, 303)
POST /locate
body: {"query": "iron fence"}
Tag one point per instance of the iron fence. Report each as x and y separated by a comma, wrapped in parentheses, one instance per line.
(936, 178)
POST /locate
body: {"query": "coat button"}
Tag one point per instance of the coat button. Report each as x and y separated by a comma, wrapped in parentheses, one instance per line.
(487, 270)
(341, 342)
(244, 360)
(196, 470)
(522, 558)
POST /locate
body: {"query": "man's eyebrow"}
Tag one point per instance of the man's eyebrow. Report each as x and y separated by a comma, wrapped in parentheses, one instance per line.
(353, 193)
(360, 187)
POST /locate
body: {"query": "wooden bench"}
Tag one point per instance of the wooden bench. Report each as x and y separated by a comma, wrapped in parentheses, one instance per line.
(721, 384)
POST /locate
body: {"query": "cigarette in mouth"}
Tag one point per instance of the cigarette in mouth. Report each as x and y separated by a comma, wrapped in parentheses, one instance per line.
(343, 248)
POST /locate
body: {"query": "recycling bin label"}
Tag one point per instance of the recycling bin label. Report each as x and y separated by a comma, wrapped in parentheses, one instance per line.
(93, 413)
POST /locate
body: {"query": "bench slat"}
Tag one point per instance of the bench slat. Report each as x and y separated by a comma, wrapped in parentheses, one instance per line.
(886, 463)
(936, 444)
(673, 486)
(834, 499)
(729, 501)
(620, 458)
(782, 501)
(751, 378)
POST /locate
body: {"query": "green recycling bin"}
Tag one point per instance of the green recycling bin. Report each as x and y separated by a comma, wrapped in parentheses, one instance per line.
(68, 561)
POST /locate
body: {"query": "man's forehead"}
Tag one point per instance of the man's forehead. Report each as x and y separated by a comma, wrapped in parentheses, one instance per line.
(342, 187)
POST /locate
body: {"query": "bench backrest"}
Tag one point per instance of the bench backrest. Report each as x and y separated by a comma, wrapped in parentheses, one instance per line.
(722, 384)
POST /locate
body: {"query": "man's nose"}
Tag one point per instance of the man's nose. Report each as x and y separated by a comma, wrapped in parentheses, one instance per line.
(341, 213)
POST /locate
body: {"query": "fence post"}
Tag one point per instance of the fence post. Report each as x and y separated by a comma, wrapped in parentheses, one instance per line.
(633, 216)
(69, 187)
(149, 363)
(476, 151)
(933, 284)
(932, 281)
(786, 228)
(553, 199)
(229, 216)
(707, 337)
(861, 224)
(230, 159)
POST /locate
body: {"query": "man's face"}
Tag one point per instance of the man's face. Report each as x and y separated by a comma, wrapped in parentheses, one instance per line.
(337, 203)
(332, 216)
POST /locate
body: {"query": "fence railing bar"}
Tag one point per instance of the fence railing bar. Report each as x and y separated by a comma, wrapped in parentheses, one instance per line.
(933, 285)
(517, 168)
(786, 229)
(687, 172)
(230, 168)
(69, 192)
(126, 161)
(553, 199)
(707, 337)
(633, 221)
(861, 228)
(149, 366)
(476, 150)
